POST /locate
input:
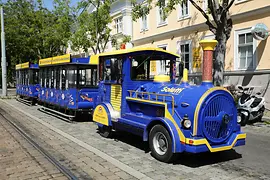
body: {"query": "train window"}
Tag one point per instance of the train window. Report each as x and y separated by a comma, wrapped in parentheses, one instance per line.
(140, 68)
(36, 76)
(72, 78)
(63, 79)
(26, 77)
(82, 77)
(41, 77)
(23, 77)
(52, 77)
(112, 69)
(20, 77)
(87, 77)
(31, 74)
(94, 76)
(17, 77)
(47, 78)
(57, 78)
(145, 67)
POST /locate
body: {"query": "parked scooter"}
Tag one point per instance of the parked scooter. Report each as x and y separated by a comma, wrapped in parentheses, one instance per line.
(250, 107)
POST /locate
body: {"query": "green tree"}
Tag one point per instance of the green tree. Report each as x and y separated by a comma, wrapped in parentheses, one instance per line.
(92, 29)
(217, 18)
(33, 32)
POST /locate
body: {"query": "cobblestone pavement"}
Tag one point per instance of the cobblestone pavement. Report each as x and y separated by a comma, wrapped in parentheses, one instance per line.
(126, 156)
(20, 160)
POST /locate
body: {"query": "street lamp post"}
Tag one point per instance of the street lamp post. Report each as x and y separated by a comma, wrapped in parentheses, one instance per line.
(4, 63)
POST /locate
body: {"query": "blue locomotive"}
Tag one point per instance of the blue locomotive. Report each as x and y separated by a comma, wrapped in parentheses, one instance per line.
(172, 117)
(27, 86)
(68, 85)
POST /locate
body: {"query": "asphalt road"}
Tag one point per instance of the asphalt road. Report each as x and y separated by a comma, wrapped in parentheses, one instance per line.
(253, 158)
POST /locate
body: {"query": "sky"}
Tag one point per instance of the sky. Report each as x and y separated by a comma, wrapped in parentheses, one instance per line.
(49, 3)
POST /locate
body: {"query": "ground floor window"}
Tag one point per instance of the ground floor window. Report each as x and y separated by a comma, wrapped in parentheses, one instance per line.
(184, 50)
(245, 48)
(164, 67)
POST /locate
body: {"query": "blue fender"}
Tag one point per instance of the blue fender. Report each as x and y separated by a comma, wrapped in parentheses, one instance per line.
(176, 143)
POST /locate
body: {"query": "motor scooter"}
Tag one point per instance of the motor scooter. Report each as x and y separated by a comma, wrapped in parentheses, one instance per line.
(250, 107)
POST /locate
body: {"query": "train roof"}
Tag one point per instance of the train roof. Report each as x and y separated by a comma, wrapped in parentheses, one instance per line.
(26, 65)
(133, 51)
(65, 59)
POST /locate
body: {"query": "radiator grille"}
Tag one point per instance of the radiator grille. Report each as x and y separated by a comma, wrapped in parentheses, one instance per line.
(218, 118)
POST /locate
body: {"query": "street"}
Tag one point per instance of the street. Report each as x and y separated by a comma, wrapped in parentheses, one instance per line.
(78, 145)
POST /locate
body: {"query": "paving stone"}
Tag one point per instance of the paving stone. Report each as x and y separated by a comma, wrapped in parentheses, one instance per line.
(124, 151)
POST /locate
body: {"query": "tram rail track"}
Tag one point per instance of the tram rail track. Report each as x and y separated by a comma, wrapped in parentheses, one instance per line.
(66, 172)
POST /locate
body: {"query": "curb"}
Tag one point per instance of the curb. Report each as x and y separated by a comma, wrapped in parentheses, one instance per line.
(7, 97)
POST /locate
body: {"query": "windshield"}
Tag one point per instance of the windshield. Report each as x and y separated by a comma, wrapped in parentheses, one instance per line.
(145, 67)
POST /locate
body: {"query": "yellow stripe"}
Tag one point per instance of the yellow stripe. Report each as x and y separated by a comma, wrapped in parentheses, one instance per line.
(93, 59)
(43, 62)
(18, 66)
(167, 115)
(61, 59)
(25, 65)
(196, 113)
(22, 66)
(180, 133)
(223, 148)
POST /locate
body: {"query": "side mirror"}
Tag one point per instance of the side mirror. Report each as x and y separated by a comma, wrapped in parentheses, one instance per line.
(240, 88)
(134, 63)
(258, 93)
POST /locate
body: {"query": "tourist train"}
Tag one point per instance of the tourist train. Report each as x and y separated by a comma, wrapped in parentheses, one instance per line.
(124, 94)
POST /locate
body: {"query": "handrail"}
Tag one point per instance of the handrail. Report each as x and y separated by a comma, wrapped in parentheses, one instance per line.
(156, 95)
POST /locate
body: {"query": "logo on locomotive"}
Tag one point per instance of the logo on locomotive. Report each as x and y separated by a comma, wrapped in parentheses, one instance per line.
(172, 90)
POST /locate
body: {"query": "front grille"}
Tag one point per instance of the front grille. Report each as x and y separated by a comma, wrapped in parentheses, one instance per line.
(218, 118)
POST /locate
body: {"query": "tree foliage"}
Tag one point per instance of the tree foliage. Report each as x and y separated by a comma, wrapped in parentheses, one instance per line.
(93, 28)
(217, 18)
(33, 32)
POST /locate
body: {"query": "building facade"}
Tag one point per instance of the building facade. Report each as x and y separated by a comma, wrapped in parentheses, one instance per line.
(247, 59)
(121, 26)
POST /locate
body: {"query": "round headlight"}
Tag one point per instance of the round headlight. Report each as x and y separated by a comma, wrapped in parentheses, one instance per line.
(239, 118)
(187, 123)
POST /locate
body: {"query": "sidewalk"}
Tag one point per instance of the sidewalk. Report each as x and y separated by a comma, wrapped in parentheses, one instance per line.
(266, 117)
(11, 93)
(19, 160)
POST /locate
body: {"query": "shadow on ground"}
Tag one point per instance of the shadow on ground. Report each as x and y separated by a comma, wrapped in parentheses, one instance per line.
(186, 159)
(206, 158)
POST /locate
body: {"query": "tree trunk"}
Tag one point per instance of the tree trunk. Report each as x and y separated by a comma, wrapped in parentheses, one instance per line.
(219, 59)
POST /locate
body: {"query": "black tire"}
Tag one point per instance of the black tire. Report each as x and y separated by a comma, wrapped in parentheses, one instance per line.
(261, 116)
(164, 154)
(259, 119)
(105, 131)
(244, 120)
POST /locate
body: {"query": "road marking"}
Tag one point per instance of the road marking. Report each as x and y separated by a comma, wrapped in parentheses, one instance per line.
(101, 154)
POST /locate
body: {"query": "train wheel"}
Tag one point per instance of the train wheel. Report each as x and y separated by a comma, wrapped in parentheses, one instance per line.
(160, 143)
(105, 131)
